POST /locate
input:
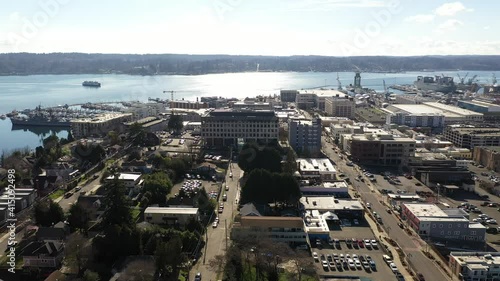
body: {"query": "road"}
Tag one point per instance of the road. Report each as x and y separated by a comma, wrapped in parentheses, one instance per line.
(218, 238)
(411, 245)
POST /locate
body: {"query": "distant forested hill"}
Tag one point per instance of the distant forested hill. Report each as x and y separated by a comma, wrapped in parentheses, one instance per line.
(79, 63)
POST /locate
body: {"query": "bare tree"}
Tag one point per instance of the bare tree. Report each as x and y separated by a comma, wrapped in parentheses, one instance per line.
(77, 252)
(138, 270)
(217, 263)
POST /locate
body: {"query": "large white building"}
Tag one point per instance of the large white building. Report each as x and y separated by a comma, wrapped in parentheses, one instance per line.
(142, 110)
(226, 127)
(99, 125)
(170, 215)
(305, 135)
(429, 114)
(316, 168)
(475, 266)
(430, 221)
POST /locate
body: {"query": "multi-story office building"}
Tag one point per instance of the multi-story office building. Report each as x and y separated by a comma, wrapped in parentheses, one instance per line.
(305, 135)
(306, 99)
(99, 125)
(288, 95)
(468, 136)
(185, 104)
(475, 266)
(225, 127)
(430, 221)
(488, 156)
(340, 106)
(279, 229)
(315, 168)
(380, 149)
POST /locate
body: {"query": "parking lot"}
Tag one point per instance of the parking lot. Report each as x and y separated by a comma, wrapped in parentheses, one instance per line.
(350, 254)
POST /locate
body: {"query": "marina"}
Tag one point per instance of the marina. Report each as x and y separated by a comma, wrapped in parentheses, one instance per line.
(19, 93)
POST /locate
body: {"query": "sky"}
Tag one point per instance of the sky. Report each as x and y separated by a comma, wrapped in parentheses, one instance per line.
(252, 27)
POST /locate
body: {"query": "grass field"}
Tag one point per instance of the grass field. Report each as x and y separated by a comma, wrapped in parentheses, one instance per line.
(58, 193)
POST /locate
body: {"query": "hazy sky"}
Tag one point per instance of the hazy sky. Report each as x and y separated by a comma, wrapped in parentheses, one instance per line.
(255, 27)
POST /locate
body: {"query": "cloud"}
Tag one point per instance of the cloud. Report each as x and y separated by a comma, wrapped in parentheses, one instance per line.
(423, 18)
(451, 9)
(329, 5)
(450, 25)
(486, 27)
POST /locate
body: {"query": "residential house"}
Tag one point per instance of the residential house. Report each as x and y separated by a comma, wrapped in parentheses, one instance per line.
(43, 254)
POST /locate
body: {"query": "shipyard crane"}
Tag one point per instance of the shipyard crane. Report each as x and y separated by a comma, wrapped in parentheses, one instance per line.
(462, 79)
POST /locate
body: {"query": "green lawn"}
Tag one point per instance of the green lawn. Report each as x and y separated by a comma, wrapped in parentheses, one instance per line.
(135, 213)
(58, 193)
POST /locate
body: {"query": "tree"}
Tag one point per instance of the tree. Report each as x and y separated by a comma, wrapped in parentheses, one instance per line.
(48, 213)
(175, 122)
(90, 275)
(78, 218)
(159, 185)
(253, 157)
(168, 255)
(262, 186)
(77, 252)
(113, 137)
(90, 152)
(290, 165)
(137, 134)
(117, 204)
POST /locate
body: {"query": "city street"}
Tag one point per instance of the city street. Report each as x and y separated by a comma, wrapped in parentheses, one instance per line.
(218, 238)
(410, 245)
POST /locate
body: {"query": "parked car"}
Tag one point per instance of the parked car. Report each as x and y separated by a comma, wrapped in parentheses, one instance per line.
(393, 267)
(315, 256)
(214, 225)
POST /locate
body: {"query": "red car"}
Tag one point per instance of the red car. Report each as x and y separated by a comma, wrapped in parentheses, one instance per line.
(361, 244)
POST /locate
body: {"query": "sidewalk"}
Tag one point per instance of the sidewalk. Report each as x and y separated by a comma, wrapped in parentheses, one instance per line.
(381, 235)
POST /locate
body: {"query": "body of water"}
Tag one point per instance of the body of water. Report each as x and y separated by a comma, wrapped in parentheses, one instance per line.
(21, 92)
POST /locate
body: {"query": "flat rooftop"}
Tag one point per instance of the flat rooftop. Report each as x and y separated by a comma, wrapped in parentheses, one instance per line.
(453, 109)
(265, 222)
(315, 164)
(476, 257)
(171, 210)
(126, 177)
(425, 210)
(101, 118)
(329, 203)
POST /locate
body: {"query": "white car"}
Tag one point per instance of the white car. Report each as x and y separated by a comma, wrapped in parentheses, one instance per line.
(374, 243)
(367, 243)
(492, 221)
(358, 264)
(393, 267)
(315, 256)
(214, 225)
(351, 264)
